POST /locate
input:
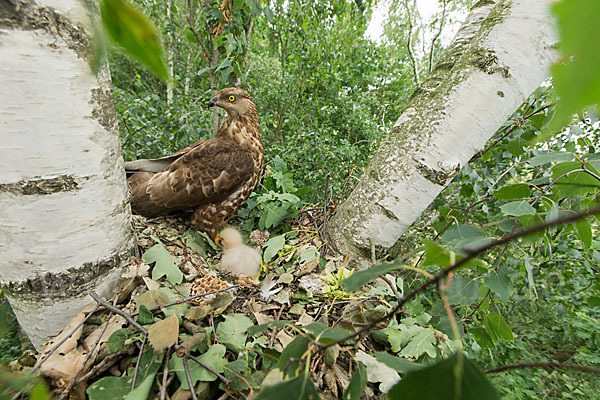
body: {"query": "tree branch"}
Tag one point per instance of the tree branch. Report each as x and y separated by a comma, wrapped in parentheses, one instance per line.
(122, 313)
(437, 35)
(582, 368)
(408, 44)
(471, 254)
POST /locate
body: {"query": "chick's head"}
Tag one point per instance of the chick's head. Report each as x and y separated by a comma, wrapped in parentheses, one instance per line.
(230, 238)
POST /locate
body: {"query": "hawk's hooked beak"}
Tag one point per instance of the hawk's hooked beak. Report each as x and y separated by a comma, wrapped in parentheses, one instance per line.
(212, 102)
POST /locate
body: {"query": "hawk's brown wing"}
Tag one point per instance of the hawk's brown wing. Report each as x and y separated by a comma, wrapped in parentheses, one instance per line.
(157, 164)
(208, 173)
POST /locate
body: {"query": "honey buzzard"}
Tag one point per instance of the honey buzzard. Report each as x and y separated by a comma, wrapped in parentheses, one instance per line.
(212, 177)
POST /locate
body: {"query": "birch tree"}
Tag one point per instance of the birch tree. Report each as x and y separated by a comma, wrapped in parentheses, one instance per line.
(65, 226)
(498, 58)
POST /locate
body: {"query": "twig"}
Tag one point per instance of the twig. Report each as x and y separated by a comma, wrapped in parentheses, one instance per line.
(409, 46)
(137, 363)
(185, 300)
(474, 310)
(57, 345)
(325, 204)
(437, 35)
(105, 364)
(163, 388)
(443, 288)
(513, 127)
(470, 255)
(582, 368)
(186, 369)
(122, 313)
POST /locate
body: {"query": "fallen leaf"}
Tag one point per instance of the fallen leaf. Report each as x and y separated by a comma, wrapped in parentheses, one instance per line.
(164, 333)
(284, 338)
(151, 299)
(378, 371)
(115, 323)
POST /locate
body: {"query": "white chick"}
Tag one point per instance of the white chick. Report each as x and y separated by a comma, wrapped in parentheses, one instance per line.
(238, 258)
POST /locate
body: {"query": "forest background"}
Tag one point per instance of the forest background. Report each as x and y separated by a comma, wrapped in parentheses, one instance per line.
(327, 94)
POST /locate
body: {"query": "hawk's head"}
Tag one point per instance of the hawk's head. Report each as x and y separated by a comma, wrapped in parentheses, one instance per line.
(235, 101)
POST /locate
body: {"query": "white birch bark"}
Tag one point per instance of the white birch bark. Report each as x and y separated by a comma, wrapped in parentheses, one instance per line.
(65, 219)
(497, 59)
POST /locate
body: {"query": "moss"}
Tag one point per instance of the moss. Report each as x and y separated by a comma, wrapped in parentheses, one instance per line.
(28, 16)
(74, 282)
(38, 186)
(103, 99)
(438, 177)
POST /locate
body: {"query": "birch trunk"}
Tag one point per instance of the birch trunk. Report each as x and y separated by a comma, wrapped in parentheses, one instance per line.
(65, 219)
(497, 59)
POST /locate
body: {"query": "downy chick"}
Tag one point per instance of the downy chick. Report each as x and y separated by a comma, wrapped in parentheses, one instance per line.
(238, 258)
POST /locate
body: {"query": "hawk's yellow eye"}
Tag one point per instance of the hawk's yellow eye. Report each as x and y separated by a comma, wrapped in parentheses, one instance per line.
(232, 98)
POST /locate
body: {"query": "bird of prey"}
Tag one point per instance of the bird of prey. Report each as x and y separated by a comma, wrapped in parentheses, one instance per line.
(212, 177)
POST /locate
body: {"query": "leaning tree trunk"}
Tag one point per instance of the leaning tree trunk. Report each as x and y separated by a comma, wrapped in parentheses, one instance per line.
(65, 219)
(497, 59)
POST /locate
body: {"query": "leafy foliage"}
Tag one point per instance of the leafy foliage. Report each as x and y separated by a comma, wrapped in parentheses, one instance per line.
(576, 77)
(131, 29)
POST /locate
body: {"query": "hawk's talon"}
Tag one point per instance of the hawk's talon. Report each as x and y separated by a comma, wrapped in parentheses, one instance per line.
(218, 241)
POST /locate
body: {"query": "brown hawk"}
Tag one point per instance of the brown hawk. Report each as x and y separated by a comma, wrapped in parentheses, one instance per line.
(212, 177)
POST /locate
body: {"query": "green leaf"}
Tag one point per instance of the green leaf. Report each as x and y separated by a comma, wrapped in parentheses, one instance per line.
(517, 208)
(593, 301)
(295, 349)
(196, 242)
(360, 278)
(256, 329)
(232, 331)
(576, 77)
(116, 341)
(513, 192)
(127, 26)
(401, 365)
(149, 365)
(268, 13)
(325, 334)
(554, 156)
(455, 378)
(528, 221)
(145, 316)
(275, 214)
(238, 373)
(584, 231)
(309, 253)
(499, 283)
(272, 247)
(482, 338)
(463, 291)
(437, 255)
(254, 6)
(165, 263)
(499, 326)
(110, 388)
(214, 358)
(358, 383)
(576, 183)
(465, 236)
(423, 342)
(142, 391)
(299, 388)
